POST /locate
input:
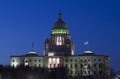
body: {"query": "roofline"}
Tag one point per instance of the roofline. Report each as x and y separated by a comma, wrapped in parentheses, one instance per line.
(64, 56)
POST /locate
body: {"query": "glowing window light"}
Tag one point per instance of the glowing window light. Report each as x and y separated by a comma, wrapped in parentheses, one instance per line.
(48, 65)
(59, 40)
(26, 64)
(51, 54)
(58, 61)
(56, 65)
(72, 53)
(50, 61)
(59, 31)
(54, 60)
(85, 66)
(15, 64)
(52, 65)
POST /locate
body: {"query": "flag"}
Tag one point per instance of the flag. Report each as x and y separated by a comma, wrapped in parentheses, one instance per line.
(86, 43)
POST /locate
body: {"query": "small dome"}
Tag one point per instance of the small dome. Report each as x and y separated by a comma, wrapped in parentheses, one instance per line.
(88, 52)
(31, 52)
(60, 24)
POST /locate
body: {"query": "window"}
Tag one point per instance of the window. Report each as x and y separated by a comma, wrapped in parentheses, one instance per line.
(100, 72)
(59, 41)
(35, 60)
(58, 65)
(39, 60)
(81, 65)
(22, 60)
(50, 65)
(39, 65)
(17, 60)
(100, 66)
(71, 60)
(54, 60)
(75, 65)
(94, 59)
(50, 60)
(81, 60)
(76, 72)
(99, 59)
(35, 65)
(95, 65)
(66, 65)
(29, 60)
(75, 60)
(13, 60)
(71, 65)
(58, 61)
(26, 61)
(89, 66)
(89, 60)
(66, 60)
(89, 72)
(54, 66)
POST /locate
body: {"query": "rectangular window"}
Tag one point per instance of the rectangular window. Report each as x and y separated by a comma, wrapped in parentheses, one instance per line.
(13, 60)
(39, 60)
(75, 65)
(66, 65)
(35, 65)
(22, 60)
(35, 60)
(66, 60)
(71, 65)
(39, 65)
(75, 60)
(29, 60)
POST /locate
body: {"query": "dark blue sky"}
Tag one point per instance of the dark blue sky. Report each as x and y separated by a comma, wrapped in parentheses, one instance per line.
(24, 21)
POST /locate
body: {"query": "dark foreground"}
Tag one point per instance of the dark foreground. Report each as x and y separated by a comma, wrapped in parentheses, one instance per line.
(42, 73)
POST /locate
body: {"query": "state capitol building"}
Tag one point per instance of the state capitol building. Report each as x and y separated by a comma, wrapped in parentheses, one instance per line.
(59, 51)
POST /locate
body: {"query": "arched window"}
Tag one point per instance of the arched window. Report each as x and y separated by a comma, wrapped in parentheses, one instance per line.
(59, 40)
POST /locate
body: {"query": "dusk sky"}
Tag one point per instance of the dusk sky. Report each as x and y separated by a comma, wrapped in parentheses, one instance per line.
(25, 21)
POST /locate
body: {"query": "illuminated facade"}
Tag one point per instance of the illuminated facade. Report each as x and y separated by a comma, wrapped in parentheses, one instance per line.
(59, 51)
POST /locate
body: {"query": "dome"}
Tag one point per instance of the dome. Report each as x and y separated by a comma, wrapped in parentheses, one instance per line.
(88, 52)
(60, 24)
(31, 52)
